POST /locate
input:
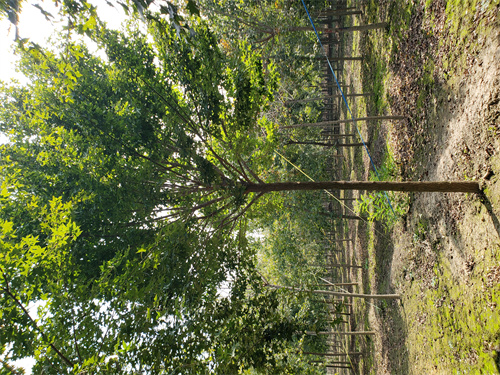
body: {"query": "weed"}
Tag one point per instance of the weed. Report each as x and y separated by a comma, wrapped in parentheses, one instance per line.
(386, 207)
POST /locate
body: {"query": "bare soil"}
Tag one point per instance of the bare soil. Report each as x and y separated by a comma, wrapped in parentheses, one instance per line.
(443, 257)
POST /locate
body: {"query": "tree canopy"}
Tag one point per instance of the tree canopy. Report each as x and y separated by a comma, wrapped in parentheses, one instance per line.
(123, 188)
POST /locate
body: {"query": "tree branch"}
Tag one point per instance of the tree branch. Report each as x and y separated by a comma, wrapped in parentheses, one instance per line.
(32, 321)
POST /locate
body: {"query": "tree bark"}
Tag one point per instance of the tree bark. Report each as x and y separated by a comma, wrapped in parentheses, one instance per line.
(357, 333)
(317, 58)
(329, 267)
(340, 294)
(409, 186)
(333, 354)
(300, 101)
(373, 26)
(351, 144)
(326, 144)
(337, 12)
(344, 121)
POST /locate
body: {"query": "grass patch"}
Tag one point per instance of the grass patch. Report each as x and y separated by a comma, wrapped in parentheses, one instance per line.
(455, 327)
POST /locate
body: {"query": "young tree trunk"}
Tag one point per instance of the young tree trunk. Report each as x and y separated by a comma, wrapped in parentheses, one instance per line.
(330, 363)
(339, 294)
(327, 144)
(340, 13)
(300, 101)
(339, 284)
(317, 58)
(335, 136)
(337, 12)
(373, 26)
(409, 186)
(333, 354)
(351, 144)
(339, 265)
(331, 333)
(335, 122)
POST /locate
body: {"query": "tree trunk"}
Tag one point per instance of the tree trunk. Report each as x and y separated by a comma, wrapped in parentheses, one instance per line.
(409, 186)
(323, 144)
(335, 122)
(332, 363)
(335, 136)
(357, 333)
(340, 13)
(337, 12)
(351, 144)
(373, 26)
(300, 101)
(333, 354)
(339, 294)
(332, 266)
(317, 58)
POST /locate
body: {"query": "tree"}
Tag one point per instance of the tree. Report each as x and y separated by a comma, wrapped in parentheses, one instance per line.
(141, 266)
(153, 156)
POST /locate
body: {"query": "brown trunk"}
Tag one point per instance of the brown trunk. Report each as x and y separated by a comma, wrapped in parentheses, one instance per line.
(335, 122)
(288, 102)
(328, 333)
(332, 363)
(355, 144)
(341, 266)
(338, 294)
(409, 186)
(319, 58)
(373, 26)
(326, 144)
(335, 136)
(337, 12)
(333, 354)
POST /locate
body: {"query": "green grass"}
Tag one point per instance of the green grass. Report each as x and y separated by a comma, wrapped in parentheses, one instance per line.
(452, 328)
(461, 328)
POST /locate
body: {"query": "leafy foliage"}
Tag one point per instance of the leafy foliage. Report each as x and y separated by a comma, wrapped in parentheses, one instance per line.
(123, 188)
(386, 207)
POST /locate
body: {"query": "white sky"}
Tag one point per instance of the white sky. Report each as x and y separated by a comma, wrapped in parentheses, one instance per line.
(33, 25)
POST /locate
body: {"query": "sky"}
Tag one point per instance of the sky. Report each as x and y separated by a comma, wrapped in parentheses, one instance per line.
(33, 25)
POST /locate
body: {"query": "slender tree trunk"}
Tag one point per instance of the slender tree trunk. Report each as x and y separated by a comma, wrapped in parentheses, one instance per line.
(337, 12)
(340, 294)
(344, 121)
(326, 144)
(355, 144)
(409, 186)
(332, 363)
(336, 136)
(334, 354)
(350, 217)
(339, 265)
(331, 333)
(300, 101)
(373, 26)
(317, 58)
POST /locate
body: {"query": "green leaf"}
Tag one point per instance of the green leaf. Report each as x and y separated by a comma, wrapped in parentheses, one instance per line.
(193, 8)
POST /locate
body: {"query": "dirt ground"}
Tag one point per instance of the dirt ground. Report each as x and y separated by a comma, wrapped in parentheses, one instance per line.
(443, 256)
